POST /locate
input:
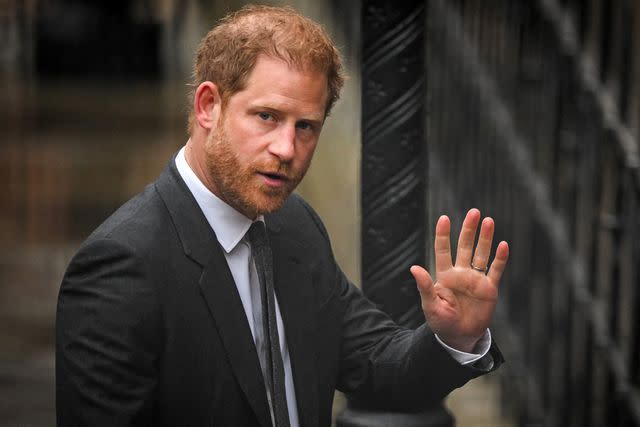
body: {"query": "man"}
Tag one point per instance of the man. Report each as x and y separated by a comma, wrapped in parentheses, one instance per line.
(165, 314)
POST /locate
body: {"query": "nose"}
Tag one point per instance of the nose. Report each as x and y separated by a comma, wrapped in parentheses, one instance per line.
(283, 145)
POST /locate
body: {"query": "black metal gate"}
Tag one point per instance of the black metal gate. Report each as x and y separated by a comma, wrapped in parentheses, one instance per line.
(532, 115)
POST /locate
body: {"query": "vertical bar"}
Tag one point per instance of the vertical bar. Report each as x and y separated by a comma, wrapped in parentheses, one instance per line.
(628, 266)
(608, 222)
(614, 48)
(393, 175)
(589, 135)
(564, 189)
(539, 108)
(634, 362)
(625, 60)
(634, 66)
(393, 171)
(604, 52)
(592, 40)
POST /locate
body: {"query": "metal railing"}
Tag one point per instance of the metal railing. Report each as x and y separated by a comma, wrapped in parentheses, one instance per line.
(533, 117)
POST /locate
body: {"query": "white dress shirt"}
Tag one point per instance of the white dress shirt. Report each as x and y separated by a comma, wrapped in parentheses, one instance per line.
(230, 227)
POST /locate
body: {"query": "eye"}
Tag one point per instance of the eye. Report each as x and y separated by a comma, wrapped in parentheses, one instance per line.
(304, 125)
(265, 116)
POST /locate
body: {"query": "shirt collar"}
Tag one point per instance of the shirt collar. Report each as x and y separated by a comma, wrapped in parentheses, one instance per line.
(229, 225)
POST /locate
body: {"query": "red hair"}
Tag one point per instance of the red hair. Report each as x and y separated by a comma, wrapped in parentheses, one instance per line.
(228, 53)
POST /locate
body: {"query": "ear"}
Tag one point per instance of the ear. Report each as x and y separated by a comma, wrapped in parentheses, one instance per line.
(207, 104)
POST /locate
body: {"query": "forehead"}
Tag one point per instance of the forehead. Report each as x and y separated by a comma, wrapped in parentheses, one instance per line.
(278, 84)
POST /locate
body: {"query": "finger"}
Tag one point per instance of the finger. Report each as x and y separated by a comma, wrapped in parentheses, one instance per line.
(443, 245)
(467, 238)
(428, 294)
(483, 249)
(499, 263)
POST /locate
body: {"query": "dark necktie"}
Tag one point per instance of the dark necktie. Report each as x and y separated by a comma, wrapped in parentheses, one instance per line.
(273, 366)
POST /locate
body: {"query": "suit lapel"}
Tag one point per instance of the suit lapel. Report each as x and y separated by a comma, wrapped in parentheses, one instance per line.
(295, 296)
(217, 288)
(220, 292)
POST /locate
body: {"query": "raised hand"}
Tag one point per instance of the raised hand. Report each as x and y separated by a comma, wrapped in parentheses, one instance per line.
(458, 307)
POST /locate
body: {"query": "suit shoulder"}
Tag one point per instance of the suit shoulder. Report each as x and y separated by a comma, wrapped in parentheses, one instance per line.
(298, 216)
(136, 223)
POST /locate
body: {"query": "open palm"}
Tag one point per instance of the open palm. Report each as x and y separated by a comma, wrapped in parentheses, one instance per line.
(459, 306)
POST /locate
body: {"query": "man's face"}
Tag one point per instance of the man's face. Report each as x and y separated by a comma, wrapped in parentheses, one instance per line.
(265, 136)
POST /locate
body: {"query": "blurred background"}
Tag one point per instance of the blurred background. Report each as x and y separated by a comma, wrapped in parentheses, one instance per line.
(531, 112)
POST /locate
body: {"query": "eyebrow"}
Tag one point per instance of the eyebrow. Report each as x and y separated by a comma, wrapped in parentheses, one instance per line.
(311, 117)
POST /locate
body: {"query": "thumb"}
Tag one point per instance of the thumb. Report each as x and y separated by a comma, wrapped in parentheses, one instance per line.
(425, 284)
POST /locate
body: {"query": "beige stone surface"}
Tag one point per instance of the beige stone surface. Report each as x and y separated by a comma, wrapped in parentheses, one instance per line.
(477, 404)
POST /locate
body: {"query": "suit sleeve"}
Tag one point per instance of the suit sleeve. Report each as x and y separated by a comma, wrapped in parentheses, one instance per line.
(107, 328)
(383, 364)
(390, 367)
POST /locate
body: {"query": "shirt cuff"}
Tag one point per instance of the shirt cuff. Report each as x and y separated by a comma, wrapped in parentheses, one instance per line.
(482, 347)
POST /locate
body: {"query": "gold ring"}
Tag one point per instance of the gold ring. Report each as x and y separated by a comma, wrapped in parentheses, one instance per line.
(481, 270)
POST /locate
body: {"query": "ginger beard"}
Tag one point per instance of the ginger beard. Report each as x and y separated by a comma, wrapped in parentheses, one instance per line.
(240, 185)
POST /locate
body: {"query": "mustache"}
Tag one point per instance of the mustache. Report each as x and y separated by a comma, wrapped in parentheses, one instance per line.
(282, 169)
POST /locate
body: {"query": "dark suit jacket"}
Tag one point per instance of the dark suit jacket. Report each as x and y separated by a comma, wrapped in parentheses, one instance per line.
(151, 331)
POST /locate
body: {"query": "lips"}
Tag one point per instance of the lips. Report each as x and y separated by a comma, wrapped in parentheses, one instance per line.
(274, 179)
(274, 175)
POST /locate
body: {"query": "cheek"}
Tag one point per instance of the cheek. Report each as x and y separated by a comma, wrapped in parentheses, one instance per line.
(246, 142)
(306, 155)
